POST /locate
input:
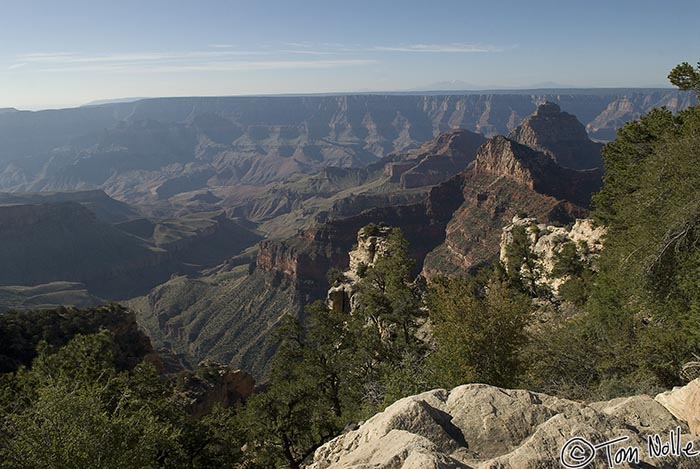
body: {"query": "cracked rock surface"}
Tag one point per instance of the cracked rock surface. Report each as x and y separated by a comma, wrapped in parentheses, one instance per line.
(479, 426)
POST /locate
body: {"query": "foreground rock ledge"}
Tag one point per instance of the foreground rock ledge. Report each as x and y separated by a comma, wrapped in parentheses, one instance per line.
(480, 426)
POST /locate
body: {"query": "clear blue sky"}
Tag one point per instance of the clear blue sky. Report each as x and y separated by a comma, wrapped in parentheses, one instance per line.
(65, 53)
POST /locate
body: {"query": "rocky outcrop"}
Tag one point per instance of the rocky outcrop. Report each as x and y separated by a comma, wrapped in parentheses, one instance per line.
(547, 241)
(215, 384)
(684, 403)
(502, 157)
(278, 257)
(371, 245)
(506, 180)
(483, 427)
(559, 135)
(436, 161)
(473, 233)
(457, 227)
(422, 224)
(354, 204)
(299, 260)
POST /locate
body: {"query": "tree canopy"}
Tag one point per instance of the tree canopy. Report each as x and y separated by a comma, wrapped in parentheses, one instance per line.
(685, 77)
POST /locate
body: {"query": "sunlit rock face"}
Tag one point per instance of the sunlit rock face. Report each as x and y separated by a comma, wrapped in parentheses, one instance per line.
(484, 427)
(371, 245)
(547, 241)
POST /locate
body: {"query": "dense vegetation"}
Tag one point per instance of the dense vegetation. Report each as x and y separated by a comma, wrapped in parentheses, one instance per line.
(21, 333)
(641, 316)
(72, 396)
(82, 405)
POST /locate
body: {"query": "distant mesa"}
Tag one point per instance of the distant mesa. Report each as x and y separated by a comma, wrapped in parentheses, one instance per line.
(48, 238)
(100, 102)
(98, 202)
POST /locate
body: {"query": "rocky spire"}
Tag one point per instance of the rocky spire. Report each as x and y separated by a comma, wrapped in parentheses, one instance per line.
(560, 135)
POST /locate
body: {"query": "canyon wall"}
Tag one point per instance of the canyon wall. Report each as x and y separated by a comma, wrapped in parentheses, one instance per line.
(153, 149)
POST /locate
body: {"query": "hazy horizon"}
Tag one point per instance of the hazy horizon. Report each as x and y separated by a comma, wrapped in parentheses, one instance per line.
(56, 56)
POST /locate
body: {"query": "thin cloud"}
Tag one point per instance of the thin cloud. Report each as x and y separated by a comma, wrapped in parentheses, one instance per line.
(73, 58)
(265, 65)
(299, 44)
(220, 66)
(305, 52)
(439, 48)
(224, 53)
(226, 57)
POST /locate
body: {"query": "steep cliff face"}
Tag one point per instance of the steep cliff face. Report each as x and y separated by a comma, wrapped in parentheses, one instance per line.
(398, 179)
(301, 261)
(559, 135)
(422, 224)
(436, 161)
(502, 157)
(457, 227)
(507, 179)
(278, 257)
(472, 234)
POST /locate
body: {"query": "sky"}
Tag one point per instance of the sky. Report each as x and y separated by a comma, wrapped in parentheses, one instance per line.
(67, 53)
